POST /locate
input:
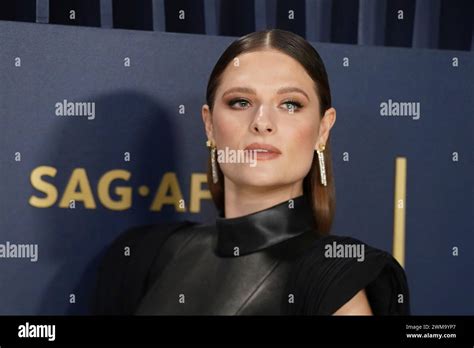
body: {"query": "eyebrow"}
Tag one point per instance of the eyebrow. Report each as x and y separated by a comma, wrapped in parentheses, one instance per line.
(249, 90)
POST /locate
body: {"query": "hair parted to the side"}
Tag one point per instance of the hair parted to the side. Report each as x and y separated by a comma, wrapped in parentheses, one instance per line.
(322, 198)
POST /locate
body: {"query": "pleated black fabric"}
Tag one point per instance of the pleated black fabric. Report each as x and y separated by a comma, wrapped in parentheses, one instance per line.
(321, 285)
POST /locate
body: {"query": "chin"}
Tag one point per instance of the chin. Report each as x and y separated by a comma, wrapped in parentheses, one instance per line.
(257, 180)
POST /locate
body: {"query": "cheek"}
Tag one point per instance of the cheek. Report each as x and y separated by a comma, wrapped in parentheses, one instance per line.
(226, 131)
(300, 146)
(303, 137)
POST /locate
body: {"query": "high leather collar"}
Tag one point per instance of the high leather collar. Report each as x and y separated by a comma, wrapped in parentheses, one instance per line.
(264, 228)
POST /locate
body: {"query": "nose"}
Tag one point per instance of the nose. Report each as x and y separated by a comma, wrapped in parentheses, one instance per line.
(262, 123)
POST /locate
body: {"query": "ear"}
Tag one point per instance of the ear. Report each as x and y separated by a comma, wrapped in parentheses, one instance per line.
(207, 119)
(327, 121)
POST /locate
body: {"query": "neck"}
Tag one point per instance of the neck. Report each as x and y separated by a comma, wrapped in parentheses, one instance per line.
(244, 200)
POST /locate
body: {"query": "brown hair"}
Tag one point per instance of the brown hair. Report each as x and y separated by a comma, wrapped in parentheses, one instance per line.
(322, 198)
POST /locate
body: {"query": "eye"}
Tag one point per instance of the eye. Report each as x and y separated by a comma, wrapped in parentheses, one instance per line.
(242, 103)
(293, 105)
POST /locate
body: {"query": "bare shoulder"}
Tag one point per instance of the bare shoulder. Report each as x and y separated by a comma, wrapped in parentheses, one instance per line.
(357, 305)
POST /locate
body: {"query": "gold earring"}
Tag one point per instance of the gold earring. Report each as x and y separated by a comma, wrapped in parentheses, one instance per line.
(211, 145)
(322, 167)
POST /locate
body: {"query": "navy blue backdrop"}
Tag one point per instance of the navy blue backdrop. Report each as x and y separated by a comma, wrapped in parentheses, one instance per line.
(147, 133)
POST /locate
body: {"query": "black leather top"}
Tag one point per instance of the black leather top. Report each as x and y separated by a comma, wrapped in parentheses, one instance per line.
(238, 266)
(263, 229)
(271, 262)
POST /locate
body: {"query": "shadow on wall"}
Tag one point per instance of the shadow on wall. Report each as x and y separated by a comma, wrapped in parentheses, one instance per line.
(125, 121)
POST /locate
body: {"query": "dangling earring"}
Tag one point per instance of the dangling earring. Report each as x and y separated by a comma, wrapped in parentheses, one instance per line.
(215, 177)
(322, 168)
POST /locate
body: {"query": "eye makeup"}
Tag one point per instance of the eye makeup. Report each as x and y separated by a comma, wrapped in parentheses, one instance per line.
(296, 105)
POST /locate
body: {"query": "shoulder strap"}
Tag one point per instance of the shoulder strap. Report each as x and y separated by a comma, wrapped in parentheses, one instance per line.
(122, 277)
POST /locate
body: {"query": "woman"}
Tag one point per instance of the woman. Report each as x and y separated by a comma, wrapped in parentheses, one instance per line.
(269, 252)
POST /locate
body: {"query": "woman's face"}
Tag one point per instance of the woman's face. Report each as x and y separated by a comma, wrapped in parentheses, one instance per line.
(266, 98)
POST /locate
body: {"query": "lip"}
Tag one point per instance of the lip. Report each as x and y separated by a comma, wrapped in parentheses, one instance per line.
(270, 152)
